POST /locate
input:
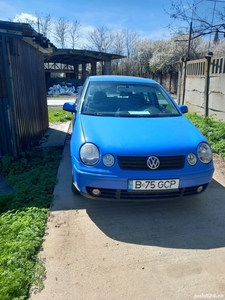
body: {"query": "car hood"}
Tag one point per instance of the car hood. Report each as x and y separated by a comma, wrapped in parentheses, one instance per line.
(141, 136)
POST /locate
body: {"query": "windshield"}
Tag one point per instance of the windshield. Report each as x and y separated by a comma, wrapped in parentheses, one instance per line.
(127, 100)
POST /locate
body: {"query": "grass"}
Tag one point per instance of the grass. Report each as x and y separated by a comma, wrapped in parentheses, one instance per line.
(24, 213)
(213, 130)
(56, 114)
(23, 216)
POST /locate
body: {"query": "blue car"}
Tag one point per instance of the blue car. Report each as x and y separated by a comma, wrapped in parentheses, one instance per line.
(130, 140)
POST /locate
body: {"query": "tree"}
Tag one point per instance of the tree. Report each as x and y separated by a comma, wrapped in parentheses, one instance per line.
(218, 48)
(197, 48)
(143, 52)
(167, 53)
(44, 24)
(117, 45)
(194, 23)
(100, 39)
(74, 33)
(61, 31)
(130, 40)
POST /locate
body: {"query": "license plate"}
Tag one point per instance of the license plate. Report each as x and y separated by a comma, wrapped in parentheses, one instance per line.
(147, 185)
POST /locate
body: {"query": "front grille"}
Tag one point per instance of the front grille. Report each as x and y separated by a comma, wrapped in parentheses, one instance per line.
(140, 163)
(150, 195)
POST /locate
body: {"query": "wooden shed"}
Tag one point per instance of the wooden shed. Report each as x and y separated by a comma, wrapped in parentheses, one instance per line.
(23, 103)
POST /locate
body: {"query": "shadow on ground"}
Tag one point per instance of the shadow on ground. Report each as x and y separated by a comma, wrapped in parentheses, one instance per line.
(195, 222)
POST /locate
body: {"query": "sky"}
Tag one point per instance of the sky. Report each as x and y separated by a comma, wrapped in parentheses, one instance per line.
(145, 17)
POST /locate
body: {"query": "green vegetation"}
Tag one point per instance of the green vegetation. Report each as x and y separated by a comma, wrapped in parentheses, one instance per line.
(24, 212)
(56, 114)
(213, 130)
(23, 215)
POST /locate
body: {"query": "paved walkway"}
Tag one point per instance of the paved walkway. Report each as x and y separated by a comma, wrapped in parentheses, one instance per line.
(59, 101)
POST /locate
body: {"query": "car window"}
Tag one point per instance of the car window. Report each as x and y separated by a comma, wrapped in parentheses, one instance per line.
(79, 96)
(127, 100)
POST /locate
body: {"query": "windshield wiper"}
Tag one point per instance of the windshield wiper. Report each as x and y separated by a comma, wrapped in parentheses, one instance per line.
(104, 114)
(127, 115)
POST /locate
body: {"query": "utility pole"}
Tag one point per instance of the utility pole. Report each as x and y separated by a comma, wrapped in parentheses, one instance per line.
(184, 72)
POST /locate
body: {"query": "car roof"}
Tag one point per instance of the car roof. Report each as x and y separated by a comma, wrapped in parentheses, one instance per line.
(120, 78)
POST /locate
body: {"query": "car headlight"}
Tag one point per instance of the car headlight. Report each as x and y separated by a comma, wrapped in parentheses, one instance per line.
(89, 154)
(192, 159)
(204, 153)
(108, 160)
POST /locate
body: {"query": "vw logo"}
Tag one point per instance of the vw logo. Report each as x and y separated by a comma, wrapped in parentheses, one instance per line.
(153, 162)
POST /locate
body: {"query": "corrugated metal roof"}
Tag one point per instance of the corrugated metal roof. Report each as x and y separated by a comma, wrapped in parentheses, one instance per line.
(28, 34)
(75, 56)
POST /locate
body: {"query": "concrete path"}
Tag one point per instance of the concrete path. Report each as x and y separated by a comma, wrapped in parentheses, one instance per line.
(59, 101)
(56, 135)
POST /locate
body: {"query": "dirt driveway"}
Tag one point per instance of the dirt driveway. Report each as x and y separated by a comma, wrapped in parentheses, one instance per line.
(107, 250)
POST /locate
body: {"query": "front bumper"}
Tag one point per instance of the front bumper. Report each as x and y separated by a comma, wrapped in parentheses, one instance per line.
(115, 194)
(115, 187)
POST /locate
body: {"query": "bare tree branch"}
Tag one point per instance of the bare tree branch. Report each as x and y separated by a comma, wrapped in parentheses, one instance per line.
(61, 31)
(74, 33)
(44, 24)
(100, 39)
(186, 12)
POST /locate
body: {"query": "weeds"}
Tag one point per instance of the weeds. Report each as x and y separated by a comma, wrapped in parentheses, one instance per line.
(23, 215)
(213, 130)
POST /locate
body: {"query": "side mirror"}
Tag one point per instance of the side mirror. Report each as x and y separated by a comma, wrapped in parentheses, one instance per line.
(69, 106)
(183, 109)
